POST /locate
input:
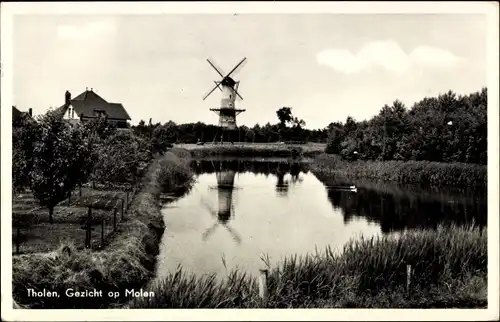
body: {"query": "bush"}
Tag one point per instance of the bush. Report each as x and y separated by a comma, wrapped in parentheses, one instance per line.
(174, 174)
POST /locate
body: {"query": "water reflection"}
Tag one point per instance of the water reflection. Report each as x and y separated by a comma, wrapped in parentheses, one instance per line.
(399, 208)
(225, 211)
(286, 171)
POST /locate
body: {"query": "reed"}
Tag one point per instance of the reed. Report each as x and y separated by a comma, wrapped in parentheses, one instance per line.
(458, 175)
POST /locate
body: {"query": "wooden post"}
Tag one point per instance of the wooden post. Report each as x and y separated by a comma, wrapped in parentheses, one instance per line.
(114, 220)
(89, 226)
(102, 232)
(127, 199)
(80, 190)
(18, 233)
(408, 279)
(122, 210)
(263, 285)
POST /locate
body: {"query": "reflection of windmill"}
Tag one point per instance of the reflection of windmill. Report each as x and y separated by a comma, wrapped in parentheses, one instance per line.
(229, 88)
(225, 187)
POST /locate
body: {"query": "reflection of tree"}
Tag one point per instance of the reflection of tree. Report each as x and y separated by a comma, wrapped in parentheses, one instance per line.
(279, 168)
(395, 212)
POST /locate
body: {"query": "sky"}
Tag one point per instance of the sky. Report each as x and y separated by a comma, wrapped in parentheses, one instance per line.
(325, 66)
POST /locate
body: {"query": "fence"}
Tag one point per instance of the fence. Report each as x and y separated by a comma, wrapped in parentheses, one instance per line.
(107, 224)
(97, 230)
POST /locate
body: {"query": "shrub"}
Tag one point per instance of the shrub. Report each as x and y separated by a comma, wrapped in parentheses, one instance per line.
(174, 173)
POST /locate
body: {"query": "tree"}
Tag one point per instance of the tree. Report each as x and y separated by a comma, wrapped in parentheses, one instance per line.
(163, 136)
(101, 127)
(122, 159)
(284, 115)
(82, 156)
(24, 135)
(50, 176)
(335, 138)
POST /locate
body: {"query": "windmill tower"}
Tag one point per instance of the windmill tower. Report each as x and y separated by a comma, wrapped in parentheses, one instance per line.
(225, 209)
(229, 87)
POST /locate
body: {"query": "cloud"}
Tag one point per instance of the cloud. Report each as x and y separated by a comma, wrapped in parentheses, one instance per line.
(388, 55)
(85, 31)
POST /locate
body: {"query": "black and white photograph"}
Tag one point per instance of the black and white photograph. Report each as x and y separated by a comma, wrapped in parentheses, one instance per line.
(261, 157)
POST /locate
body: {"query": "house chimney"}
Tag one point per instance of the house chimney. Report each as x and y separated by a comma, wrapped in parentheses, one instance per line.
(67, 98)
(30, 111)
(91, 89)
(86, 89)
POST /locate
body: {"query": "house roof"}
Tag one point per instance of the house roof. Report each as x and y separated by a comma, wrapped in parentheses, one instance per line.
(88, 101)
(16, 114)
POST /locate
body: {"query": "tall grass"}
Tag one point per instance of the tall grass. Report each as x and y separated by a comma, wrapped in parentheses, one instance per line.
(449, 268)
(263, 150)
(458, 175)
(127, 262)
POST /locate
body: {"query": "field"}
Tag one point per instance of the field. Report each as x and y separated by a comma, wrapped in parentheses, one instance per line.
(254, 149)
(36, 234)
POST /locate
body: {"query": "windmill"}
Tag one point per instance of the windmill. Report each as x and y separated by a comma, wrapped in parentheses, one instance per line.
(225, 212)
(229, 87)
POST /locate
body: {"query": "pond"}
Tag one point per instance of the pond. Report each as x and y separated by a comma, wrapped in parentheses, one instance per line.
(241, 209)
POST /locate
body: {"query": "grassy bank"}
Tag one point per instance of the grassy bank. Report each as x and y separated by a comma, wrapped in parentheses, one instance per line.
(255, 150)
(449, 264)
(127, 262)
(457, 175)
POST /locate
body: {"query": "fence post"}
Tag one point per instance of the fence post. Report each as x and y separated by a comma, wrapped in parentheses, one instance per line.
(89, 226)
(408, 279)
(80, 190)
(114, 220)
(127, 199)
(122, 210)
(102, 232)
(263, 285)
(18, 233)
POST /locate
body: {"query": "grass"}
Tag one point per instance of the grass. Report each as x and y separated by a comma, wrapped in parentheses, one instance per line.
(255, 149)
(127, 262)
(457, 175)
(450, 270)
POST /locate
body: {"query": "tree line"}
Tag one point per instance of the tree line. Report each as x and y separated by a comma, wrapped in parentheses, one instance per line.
(287, 128)
(447, 128)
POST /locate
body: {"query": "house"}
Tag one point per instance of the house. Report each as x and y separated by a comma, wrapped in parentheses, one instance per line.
(88, 105)
(17, 115)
